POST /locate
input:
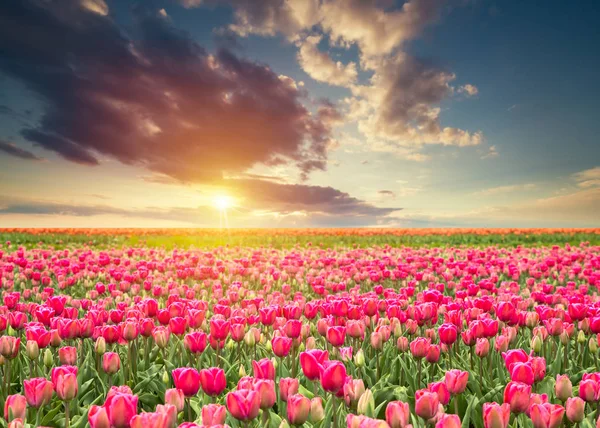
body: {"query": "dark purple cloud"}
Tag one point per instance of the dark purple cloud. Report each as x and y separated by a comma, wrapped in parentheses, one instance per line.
(12, 150)
(156, 99)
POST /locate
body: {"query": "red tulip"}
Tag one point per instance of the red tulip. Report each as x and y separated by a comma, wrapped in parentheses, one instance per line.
(219, 329)
(60, 371)
(66, 386)
(15, 407)
(426, 404)
(522, 372)
(546, 415)
(243, 404)
(288, 386)
(9, 346)
(482, 347)
(448, 421)
(298, 409)
(496, 415)
(575, 409)
(419, 347)
(433, 354)
(397, 414)
(441, 390)
(292, 328)
(266, 391)
(281, 346)
(161, 336)
(111, 363)
(38, 391)
(333, 376)
(589, 390)
(187, 380)
(311, 362)
(264, 369)
(516, 394)
(178, 325)
(195, 342)
(336, 336)
(120, 408)
(175, 397)
(213, 381)
(514, 356)
(448, 333)
(353, 390)
(97, 417)
(213, 414)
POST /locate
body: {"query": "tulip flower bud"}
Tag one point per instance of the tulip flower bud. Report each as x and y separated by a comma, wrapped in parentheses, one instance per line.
(311, 343)
(165, 378)
(48, 359)
(249, 338)
(242, 371)
(284, 424)
(563, 388)
(564, 338)
(275, 362)
(359, 358)
(176, 398)
(298, 409)
(229, 345)
(111, 363)
(366, 404)
(581, 337)
(536, 344)
(593, 345)
(268, 345)
(575, 409)
(100, 346)
(316, 410)
(33, 350)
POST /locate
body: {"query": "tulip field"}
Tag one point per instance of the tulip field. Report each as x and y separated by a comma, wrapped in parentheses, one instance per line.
(321, 328)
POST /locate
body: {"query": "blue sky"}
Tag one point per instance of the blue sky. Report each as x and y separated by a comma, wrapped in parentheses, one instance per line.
(465, 113)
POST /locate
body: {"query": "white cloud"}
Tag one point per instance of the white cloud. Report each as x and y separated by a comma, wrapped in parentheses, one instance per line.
(96, 6)
(399, 108)
(321, 67)
(468, 90)
(492, 153)
(588, 178)
(505, 189)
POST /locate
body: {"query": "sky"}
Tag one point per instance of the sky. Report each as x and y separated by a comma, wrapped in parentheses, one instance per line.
(299, 113)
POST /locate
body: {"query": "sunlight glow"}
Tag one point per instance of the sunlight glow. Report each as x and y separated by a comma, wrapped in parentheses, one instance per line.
(222, 202)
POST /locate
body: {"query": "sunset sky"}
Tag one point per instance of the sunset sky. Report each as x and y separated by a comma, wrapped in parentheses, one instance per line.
(301, 112)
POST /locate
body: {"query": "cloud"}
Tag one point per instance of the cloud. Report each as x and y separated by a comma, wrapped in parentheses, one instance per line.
(588, 178)
(288, 198)
(401, 104)
(12, 150)
(321, 67)
(505, 189)
(468, 90)
(386, 193)
(374, 29)
(492, 153)
(259, 200)
(157, 100)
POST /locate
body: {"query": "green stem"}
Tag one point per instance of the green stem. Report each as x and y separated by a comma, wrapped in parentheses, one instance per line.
(335, 416)
(67, 421)
(419, 373)
(189, 409)
(265, 418)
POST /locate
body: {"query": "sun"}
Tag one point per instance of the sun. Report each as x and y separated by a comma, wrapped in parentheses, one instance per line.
(222, 202)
